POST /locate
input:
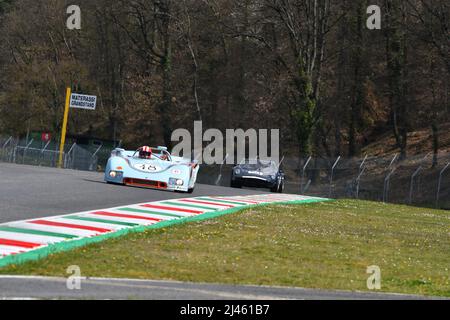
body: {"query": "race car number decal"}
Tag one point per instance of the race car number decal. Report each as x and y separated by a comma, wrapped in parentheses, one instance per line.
(147, 167)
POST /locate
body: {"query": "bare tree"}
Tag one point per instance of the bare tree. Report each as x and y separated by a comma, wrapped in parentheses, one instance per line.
(433, 16)
(303, 26)
(396, 55)
(149, 27)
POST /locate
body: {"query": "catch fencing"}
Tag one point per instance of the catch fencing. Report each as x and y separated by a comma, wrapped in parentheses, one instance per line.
(416, 180)
(37, 153)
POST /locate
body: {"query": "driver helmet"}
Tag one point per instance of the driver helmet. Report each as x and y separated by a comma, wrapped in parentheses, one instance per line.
(145, 152)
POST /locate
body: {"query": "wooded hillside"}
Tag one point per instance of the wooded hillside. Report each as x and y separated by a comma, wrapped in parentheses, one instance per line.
(309, 67)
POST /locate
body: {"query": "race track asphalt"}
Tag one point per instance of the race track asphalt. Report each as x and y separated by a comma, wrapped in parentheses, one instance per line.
(34, 192)
(97, 288)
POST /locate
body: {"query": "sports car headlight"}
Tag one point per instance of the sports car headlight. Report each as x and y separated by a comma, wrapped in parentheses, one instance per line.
(176, 182)
(237, 171)
(113, 174)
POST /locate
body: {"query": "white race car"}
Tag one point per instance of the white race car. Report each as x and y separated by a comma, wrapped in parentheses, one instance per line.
(151, 168)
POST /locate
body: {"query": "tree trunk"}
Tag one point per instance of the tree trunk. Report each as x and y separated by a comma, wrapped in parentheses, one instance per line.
(166, 104)
(358, 83)
(435, 133)
(165, 107)
(396, 49)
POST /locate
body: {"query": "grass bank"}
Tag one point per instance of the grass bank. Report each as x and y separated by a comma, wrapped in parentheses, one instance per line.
(324, 245)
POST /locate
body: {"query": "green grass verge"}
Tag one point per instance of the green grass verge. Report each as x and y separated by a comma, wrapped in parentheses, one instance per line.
(323, 245)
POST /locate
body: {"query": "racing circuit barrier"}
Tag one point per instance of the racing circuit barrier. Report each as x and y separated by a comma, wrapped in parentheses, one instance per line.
(46, 154)
(414, 181)
(6, 145)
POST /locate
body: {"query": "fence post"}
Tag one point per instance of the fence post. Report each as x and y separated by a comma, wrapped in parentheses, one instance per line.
(67, 154)
(361, 166)
(358, 180)
(7, 142)
(93, 157)
(303, 175)
(331, 176)
(13, 155)
(42, 152)
(439, 183)
(387, 181)
(392, 161)
(361, 170)
(4, 153)
(411, 186)
(220, 170)
(25, 150)
(388, 176)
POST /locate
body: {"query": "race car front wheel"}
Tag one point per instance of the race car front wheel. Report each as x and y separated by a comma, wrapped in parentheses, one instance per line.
(235, 185)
